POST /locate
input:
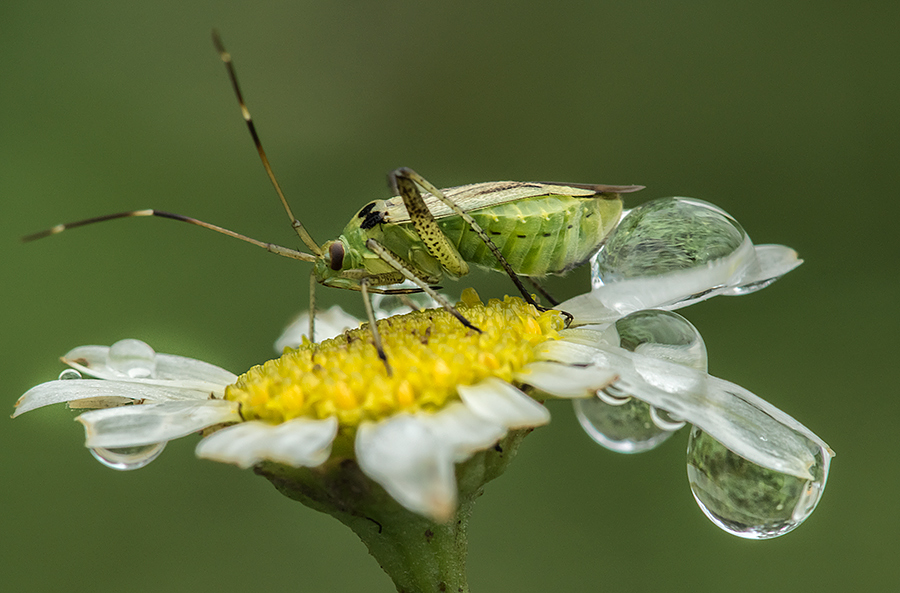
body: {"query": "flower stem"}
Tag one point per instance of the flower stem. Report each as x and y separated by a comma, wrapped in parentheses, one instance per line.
(420, 555)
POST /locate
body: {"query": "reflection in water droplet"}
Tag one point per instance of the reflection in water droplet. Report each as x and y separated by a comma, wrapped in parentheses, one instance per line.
(132, 358)
(627, 425)
(746, 499)
(665, 420)
(128, 458)
(667, 235)
(613, 396)
(624, 428)
(69, 374)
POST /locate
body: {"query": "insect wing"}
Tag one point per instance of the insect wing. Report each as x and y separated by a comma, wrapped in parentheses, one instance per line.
(481, 195)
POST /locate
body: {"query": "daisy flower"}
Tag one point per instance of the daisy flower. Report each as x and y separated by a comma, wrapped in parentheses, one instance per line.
(401, 457)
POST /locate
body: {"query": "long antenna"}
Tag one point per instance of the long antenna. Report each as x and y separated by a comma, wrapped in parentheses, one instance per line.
(270, 247)
(296, 224)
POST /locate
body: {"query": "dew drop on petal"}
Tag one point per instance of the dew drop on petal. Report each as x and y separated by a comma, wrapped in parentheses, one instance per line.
(613, 418)
(748, 500)
(667, 235)
(128, 458)
(69, 374)
(132, 358)
(623, 428)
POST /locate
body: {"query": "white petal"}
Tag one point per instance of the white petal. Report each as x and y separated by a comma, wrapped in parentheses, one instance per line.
(130, 426)
(170, 370)
(499, 402)
(302, 442)
(743, 422)
(746, 270)
(411, 463)
(773, 262)
(462, 430)
(562, 380)
(329, 324)
(54, 392)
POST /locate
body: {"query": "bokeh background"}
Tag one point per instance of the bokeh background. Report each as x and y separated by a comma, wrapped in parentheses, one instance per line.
(784, 113)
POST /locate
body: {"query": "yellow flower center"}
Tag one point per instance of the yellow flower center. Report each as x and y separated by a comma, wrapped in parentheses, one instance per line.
(430, 353)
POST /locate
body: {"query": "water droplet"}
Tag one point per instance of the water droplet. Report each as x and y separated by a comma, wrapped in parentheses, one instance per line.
(626, 425)
(667, 235)
(69, 374)
(132, 358)
(746, 499)
(128, 458)
(623, 428)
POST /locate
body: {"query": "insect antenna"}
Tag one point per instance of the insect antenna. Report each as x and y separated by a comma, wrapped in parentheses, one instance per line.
(296, 224)
(270, 247)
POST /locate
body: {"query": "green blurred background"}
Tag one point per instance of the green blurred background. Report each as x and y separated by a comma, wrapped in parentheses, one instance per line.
(783, 113)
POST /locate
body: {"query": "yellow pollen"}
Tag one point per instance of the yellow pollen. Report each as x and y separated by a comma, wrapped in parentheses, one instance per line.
(430, 353)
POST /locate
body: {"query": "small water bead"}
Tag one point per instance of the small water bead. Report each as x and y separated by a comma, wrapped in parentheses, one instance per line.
(746, 499)
(626, 425)
(128, 458)
(623, 428)
(132, 358)
(69, 374)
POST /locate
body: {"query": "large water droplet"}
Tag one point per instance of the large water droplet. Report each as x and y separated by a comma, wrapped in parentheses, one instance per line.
(626, 425)
(746, 499)
(69, 374)
(128, 458)
(132, 358)
(667, 235)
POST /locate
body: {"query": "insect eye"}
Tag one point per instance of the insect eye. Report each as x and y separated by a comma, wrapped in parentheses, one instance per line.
(336, 251)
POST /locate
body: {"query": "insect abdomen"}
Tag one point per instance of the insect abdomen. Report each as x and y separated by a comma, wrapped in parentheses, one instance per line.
(537, 236)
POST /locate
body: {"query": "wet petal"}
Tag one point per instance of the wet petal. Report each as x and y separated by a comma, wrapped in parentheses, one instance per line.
(106, 362)
(740, 420)
(462, 430)
(411, 463)
(302, 442)
(499, 402)
(772, 262)
(55, 392)
(130, 426)
(563, 380)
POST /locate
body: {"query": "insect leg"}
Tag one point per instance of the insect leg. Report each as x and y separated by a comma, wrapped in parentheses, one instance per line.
(373, 327)
(409, 174)
(392, 260)
(543, 292)
(435, 240)
(312, 305)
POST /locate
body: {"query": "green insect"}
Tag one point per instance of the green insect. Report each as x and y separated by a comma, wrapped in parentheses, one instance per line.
(522, 229)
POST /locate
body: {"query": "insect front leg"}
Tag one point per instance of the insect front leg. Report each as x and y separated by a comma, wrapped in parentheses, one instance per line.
(405, 180)
(373, 327)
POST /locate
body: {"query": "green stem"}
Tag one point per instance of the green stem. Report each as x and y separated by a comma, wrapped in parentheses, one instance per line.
(421, 556)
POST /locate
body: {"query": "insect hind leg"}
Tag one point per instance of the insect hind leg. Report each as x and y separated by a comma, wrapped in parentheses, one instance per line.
(412, 178)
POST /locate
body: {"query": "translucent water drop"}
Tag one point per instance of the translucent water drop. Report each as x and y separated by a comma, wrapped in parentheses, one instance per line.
(625, 428)
(132, 358)
(746, 499)
(69, 374)
(626, 425)
(667, 235)
(128, 458)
